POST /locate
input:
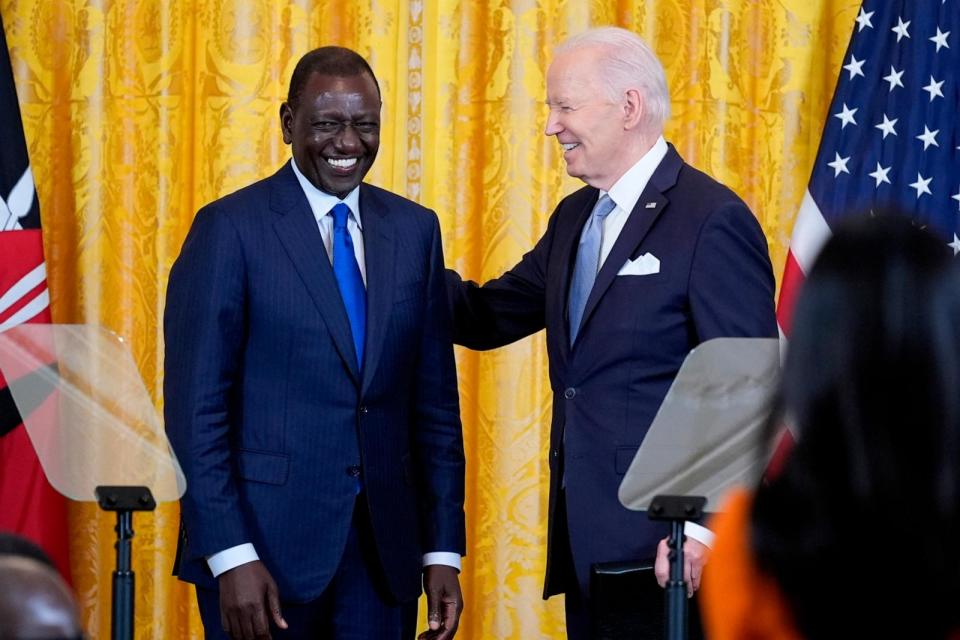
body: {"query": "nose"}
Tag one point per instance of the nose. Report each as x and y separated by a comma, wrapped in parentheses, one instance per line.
(553, 124)
(347, 138)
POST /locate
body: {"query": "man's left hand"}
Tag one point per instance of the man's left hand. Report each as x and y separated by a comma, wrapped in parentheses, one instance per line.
(695, 556)
(444, 602)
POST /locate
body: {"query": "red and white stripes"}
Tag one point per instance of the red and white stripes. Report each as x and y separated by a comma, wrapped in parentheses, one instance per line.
(810, 232)
(26, 299)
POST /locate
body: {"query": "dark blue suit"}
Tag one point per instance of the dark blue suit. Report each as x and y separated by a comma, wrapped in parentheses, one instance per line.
(715, 280)
(270, 416)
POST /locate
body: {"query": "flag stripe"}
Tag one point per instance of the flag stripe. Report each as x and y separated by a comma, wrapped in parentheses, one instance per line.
(789, 288)
(28, 312)
(810, 232)
(22, 287)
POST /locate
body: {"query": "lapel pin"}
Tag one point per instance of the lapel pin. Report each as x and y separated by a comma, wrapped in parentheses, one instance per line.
(651, 205)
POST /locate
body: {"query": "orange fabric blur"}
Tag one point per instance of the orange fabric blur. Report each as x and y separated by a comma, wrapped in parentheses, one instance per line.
(737, 601)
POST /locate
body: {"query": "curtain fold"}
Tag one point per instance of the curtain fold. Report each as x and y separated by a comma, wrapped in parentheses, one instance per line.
(137, 112)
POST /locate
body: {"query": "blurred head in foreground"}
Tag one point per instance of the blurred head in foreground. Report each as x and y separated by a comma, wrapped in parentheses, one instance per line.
(860, 527)
(35, 602)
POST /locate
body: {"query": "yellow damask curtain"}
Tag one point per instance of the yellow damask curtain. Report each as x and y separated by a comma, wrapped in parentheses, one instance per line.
(137, 112)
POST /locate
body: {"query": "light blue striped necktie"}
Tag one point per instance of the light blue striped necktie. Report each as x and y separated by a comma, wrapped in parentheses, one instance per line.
(588, 263)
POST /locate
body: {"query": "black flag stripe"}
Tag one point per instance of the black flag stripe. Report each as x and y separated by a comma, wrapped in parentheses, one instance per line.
(13, 152)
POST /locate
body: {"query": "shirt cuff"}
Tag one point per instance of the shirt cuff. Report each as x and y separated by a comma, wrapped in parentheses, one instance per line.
(442, 557)
(699, 533)
(231, 558)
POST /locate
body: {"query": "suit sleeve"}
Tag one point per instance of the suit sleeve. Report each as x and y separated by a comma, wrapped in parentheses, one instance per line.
(507, 308)
(438, 436)
(731, 280)
(204, 334)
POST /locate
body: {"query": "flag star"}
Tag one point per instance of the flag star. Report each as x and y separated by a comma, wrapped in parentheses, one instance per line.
(934, 88)
(955, 245)
(839, 165)
(940, 39)
(880, 175)
(887, 126)
(901, 29)
(956, 197)
(928, 137)
(922, 185)
(846, 116)
(894, 78)
(855, 67)
(864, 20)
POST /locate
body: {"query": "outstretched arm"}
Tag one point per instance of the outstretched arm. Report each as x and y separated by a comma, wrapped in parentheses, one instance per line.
(504, 309)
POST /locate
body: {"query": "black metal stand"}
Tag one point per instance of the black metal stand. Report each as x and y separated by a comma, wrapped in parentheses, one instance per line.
(676, 510)
(124, 500)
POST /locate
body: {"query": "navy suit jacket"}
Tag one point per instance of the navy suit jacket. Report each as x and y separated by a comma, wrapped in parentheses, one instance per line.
(269, 414)
(715, 280)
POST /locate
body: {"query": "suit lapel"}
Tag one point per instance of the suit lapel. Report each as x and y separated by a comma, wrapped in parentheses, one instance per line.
(378, 254)
(298, 232)
(635, 230)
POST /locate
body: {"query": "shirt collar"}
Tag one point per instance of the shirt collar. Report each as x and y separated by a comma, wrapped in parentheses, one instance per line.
(626, 191)
(321, 202)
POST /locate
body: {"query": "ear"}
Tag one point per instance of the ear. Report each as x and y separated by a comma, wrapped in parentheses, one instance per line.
(286, 123)
(633, 109)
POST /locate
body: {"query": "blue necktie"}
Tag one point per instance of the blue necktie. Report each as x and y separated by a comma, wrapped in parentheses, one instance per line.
(587, 265)
(349, 281)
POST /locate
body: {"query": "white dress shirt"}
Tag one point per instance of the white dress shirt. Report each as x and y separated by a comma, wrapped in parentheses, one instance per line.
(625, 193)
(321, 203)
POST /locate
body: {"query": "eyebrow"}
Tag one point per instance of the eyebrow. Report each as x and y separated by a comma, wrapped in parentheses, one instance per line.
(339, 113)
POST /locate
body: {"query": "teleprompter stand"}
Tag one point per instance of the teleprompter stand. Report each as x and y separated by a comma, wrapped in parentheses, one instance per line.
(705, 439)
(676, 510)
(124, 500)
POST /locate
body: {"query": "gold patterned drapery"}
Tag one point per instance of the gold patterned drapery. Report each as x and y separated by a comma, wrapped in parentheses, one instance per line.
(137, 112)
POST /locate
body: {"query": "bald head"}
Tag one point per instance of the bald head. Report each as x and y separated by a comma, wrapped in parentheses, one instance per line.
(35, 602)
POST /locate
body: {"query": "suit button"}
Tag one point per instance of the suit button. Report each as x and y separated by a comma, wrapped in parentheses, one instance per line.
(556, 453)
(363, 409)
(353, 471)
(569, 393)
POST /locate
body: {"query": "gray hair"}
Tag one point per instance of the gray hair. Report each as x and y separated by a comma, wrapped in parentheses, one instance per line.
(628, 63)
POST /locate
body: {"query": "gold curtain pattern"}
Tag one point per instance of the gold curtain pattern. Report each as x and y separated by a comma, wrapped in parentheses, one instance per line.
(137, 112)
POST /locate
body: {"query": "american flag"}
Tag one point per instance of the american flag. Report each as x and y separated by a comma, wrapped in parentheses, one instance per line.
(28, 504)
(891, 137)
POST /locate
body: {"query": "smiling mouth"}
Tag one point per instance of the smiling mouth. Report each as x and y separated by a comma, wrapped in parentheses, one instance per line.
(342, 164)
(569, 146)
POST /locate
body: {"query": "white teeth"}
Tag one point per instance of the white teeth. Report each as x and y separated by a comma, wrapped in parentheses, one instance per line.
(342, 163)
(570, 145)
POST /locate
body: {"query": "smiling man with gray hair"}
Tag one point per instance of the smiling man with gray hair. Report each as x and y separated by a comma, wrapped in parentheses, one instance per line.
(647, 261)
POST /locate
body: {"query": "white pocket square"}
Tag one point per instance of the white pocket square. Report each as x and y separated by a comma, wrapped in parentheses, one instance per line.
(645, 265)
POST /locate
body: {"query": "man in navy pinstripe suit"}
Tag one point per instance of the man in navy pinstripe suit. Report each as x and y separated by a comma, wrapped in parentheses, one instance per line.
(310, 389)
(637, 268)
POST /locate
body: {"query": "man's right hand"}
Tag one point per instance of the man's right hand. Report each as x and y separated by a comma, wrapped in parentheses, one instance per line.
(248, 601)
